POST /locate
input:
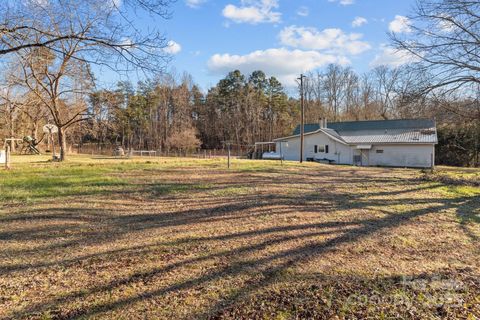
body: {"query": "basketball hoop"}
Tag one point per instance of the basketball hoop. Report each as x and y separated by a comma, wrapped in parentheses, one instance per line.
(50, 128)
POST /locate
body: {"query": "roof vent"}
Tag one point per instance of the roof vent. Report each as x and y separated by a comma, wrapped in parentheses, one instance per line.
(427, 131)
(323, 123)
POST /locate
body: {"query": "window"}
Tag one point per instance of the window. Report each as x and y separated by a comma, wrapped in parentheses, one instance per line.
(315, 149)
(321, 148)
(379, 151)
(326, 148)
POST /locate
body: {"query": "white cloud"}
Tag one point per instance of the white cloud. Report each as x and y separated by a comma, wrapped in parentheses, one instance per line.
(172, 47)
(109, 4)
(253, 12)
(282, 63)
(117, 3)
(40, 3)
(445, 24)
(343, 2)
(393, 57)
(303, 11)
(359, 21)
(127, 42)
(330, 40)
(194, 3)
(400, 24)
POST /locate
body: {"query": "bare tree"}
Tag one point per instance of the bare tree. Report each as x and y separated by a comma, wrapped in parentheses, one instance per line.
(56, 41)
(352, 92)
(333, 84)
(60, 83)
(445, 37)
(385, 80)
(9, 109)
(366, 101)
(105, 30)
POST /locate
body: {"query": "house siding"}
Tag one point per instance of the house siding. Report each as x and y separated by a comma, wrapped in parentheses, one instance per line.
(338, 152)
(402, 155)
(394, 155)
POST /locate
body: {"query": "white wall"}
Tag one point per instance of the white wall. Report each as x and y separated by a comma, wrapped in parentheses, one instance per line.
(394, 155)
(340, 153)
(402, 155)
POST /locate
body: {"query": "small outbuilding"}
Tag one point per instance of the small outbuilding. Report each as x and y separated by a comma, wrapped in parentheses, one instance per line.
(392, 143)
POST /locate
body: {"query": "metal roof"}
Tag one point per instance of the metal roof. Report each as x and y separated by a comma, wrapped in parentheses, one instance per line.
(390, 136)
(310, 127)
(379, 131)
(370, 125)
(333, 133)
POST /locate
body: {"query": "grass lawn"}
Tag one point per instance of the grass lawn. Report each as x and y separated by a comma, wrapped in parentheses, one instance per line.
(166, 238)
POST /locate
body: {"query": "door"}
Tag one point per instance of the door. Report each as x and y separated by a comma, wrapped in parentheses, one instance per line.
(365, 157)
(361, 158)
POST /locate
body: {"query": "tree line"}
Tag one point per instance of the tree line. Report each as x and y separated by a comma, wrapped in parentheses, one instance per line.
(47, 78)
(173, 113)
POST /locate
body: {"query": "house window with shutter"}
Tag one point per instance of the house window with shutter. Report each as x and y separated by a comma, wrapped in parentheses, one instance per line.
(321, 148)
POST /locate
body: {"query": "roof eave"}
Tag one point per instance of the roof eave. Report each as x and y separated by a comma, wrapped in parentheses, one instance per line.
(309, 133)
(295, 136)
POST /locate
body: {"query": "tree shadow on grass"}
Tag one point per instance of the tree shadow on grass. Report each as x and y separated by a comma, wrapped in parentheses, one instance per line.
(317, 296)
(257, 257)
(120, 221)
(468, 211)
(270, 267)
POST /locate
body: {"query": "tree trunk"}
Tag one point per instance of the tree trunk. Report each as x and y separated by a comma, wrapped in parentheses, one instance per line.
(62, 141)
(12, 129)
(34, 131)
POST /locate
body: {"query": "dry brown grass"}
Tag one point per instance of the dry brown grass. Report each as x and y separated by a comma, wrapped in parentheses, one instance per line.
(170, 240)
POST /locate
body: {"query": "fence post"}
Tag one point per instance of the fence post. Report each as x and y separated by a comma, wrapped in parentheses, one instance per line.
(432, 163)
(228, 156)
(7, 157)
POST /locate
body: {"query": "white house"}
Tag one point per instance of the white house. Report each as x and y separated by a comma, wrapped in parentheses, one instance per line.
(394, 143)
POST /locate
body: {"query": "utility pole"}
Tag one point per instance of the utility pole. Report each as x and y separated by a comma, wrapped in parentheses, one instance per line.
(302, 120)
(228, 155)
(281, 154)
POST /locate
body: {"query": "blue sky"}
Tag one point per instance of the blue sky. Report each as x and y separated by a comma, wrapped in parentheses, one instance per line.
(281, 37)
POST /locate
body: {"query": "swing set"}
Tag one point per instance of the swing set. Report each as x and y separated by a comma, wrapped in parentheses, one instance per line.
(29, 144)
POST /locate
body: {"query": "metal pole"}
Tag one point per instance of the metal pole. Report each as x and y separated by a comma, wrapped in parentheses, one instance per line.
(432, 165)
(228, 155)
(53, 145)
(302, 120)
(7, 157)
(281, 154)
(12, 144)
